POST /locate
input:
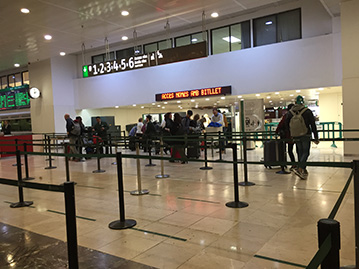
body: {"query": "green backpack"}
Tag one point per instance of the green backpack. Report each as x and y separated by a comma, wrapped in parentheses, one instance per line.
(297, 124)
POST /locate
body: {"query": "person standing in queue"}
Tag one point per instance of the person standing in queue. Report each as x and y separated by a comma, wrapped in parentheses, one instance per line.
(6, 128)
(73, 134)
(80, 141)
(217, 117)
(301, 123)
(178, 143)
(149, 133)
(101, 128)
(166, 131)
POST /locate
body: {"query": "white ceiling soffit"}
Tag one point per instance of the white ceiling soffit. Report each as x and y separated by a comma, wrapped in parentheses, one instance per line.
(332, 7)
(72, 23)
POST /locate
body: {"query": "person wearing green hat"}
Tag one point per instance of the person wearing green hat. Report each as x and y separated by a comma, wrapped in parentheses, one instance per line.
(301, 123)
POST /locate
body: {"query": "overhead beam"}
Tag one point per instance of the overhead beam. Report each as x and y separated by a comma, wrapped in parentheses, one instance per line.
(327, 8)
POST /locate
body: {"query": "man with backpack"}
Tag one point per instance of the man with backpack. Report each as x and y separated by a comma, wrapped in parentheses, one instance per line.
(73, 132)
(301, 122)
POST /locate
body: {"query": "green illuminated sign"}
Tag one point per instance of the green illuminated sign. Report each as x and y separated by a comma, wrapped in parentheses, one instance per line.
(85, 71)
(14, 98)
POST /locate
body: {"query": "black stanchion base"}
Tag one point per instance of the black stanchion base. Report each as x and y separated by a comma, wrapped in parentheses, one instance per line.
(162, 176)
(51, 167)
(15, 164)
(141, 192)
(206, 168)
(98, 171)
(150, 164)
(119, 225)
(283, 172)
(21, 204)
(246, 183)
(28, 178)
(238, 204)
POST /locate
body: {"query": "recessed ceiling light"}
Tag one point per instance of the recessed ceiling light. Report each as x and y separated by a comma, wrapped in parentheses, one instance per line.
(223, 97)
(153, 104)
(48, 37)
(163, 107)
(320, 89)
(276, 92)
(291, 95)
(196, 106)
(297, 91)
(124, 38)
(158, 105)
(125, 13)
(270, 101)
(207, 99)
(258, 94)
(242, 99)
(239, 96)
(25, 10)
(116, 106)
(268, 97)
(231, 39)
(165, 103)
(192, 100)
(214, 15)
(269, 22)
(134, 105)
(194, 40)
(178, 102)
(317, 92)
(179, 106)
(303, 96)
(62, 53)
(281, 98)
(142, 107)
(17, 65)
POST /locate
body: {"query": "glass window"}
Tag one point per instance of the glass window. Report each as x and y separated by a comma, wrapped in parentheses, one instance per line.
(198, 37)
(289, 25)
(220, 40)
(165, 44)
(265, 30)
(25, 78)
(236, 37)
(18, 80)
(3, 82)
(11, 79)
(111, 56)
(150, 47)
(125, 53)
(183, 41)
(98, 58)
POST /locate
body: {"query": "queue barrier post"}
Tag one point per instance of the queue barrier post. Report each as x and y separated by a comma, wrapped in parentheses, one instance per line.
(220, 146)
(162, 175)
(149, 148)
(116, 150)
(124, 139)
(205, 167)
(49, 152)
(139, 190)
(99, 170)
(71, 230)
(245, 165)
(110, 142)
(27, 177)
(21, 202)
(16, 148)
(356, 209)
(236, 203)
(122, 223)
(48, 147)
(331, 227)
(67, 167)
(212, 147)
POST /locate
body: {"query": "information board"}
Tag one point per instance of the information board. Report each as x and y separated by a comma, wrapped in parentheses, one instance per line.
(158, 57)
(15, 98)
(205, 92)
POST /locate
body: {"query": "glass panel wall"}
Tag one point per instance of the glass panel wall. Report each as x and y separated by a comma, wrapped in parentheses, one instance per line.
(18, 79)
(25, 77)
(3, 82)
(11, 79)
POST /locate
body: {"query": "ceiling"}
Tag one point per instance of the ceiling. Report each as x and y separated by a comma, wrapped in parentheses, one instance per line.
(72, 23)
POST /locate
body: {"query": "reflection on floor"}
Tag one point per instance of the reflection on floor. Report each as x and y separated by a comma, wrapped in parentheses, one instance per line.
(183, 222)
(23, 249)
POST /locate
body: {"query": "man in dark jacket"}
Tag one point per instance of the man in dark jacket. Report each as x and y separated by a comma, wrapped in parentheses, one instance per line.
(149, 133)
(186, 122)
(101, 128)
(72, 137)
(296, 114)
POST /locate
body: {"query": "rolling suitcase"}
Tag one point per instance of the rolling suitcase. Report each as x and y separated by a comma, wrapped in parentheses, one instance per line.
(193, 151)
(274, 151)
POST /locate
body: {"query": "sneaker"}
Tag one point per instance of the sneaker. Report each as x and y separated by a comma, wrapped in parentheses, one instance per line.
(292, 168)
(299, 174)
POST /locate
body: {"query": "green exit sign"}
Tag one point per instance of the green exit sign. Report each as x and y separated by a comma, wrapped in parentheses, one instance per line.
(85, 71)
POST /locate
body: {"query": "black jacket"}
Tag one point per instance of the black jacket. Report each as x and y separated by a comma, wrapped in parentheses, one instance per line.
(6, 129)
(308, 119)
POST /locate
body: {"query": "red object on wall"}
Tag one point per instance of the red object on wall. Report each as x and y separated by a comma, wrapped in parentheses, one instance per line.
(7, 141)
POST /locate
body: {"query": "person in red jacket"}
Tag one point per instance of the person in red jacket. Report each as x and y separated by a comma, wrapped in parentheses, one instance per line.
(284, 133)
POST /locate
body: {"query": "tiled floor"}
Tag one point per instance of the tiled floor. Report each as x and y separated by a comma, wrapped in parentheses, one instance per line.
(183, 222)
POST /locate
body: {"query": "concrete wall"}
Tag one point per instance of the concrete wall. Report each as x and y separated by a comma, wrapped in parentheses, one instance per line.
(331, 108)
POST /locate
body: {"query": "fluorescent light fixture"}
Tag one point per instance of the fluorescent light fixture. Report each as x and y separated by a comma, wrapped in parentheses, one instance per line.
(291, 95)
(158, 105)
(223, 97)
(276, 92)
(116, 106)
(17, 65)
(270, 101)
(124, 38)
(179, 106)
(165, 103)
(281, 98)
(125, 13)
(258, 94)
(48, 37)
(239, 96)
(268, 97)
(214, 15)
(25, 10)
(269, 22)
(153, 104)
(62, 53)
(321, 89)
(194, 40)
(231, 39)
(134, 105)
(207, 99)
(192, 100)
(163, 107)
(137, 51)
(142, 107)
(297, 91)
(242, 99)
(178, 102)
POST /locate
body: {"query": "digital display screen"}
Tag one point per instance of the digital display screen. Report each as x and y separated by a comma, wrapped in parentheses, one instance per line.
(205, 92)
(14, 98)
(158, 57)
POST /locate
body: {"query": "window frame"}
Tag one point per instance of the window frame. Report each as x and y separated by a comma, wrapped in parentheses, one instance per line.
(190, 35)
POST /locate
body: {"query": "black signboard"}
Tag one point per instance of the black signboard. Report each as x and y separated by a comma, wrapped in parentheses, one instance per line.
(14, 98)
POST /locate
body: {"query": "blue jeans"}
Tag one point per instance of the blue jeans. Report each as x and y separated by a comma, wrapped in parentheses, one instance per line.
(303, 150)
